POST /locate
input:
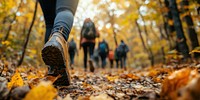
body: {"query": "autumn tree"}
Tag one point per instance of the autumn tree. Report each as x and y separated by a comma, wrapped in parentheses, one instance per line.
(190, 26)
(181, 40)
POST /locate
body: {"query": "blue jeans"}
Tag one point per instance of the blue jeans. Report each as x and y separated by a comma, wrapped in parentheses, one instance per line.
(103, 59)
(88, 47)
(59, 16)
(123, 62)
(71, 55)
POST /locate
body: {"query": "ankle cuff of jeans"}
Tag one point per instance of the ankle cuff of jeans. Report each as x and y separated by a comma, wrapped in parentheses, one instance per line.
(61, 31)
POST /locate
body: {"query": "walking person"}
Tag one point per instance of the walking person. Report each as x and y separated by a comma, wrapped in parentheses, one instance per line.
(122, 53)
(88, 35)
(59, 16)
(103, 52)
(72, 50)
(111, 57)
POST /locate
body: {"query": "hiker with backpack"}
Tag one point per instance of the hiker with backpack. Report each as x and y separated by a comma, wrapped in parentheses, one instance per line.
(72, 50)
(103, 52)
(122, 51)
(88, 35)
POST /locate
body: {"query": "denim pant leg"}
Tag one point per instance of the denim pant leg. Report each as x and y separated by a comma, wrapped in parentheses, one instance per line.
(91, 49)
(85, 50)
(71, 54)
(65, 10)
(48, 9)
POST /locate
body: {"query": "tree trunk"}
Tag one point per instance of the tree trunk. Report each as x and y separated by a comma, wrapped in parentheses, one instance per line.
(198, 9)
(181, 40)
(28, 35)
(113, 28)
(165, 24)
(150, 54)
(190, 26)
(169, 18)
(151, 57)
(13, 20)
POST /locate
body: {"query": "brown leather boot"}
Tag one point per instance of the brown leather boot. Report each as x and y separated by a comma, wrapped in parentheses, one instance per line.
(55, 54)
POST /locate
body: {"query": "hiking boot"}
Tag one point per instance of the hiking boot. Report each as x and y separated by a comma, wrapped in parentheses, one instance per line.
(55, 54)
(91, 62)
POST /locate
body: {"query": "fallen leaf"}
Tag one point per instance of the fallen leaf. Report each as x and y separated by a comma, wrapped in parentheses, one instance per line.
(175, 81)
(44, 91)
(133, 76)
(16, 81)
(112, 78)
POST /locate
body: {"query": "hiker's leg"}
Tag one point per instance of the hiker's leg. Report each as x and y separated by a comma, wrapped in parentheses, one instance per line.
(48, 8)
(91, 49)
(104, 61)
(124, 62)
(117, 63)
(65, 10)
(84, 45)
(111, 63)
(121, 62)
(73, 54)
(70, 56)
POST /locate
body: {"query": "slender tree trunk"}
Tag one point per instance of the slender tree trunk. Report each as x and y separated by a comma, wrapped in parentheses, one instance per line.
(150, 54)
(190, 26)
(182, 45)
(147, 38)
(113, 28)
(112, 20)
(13, 20)
(28, 35)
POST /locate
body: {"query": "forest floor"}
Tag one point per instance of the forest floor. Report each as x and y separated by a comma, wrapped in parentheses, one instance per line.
(149, 83)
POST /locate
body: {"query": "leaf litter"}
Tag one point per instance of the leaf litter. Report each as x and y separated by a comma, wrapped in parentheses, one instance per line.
(177, 82)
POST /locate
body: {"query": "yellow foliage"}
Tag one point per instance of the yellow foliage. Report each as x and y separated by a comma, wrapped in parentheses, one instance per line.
(5, 42)
(16, 81)
(44, 91)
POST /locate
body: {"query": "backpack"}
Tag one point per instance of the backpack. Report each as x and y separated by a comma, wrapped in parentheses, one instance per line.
(72, 46)
(89, 31)
(122, 50)
(111, 55)
(102, 47)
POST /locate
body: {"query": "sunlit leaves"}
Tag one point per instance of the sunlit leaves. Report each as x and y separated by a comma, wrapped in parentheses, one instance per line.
(16, 81)
(177, 80)
(44, 90)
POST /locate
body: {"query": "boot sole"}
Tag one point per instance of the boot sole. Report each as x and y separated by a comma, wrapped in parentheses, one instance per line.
(52, 56)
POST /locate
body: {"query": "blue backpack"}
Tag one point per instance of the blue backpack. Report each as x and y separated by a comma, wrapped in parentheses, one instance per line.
(103, 47)
(122, 50)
